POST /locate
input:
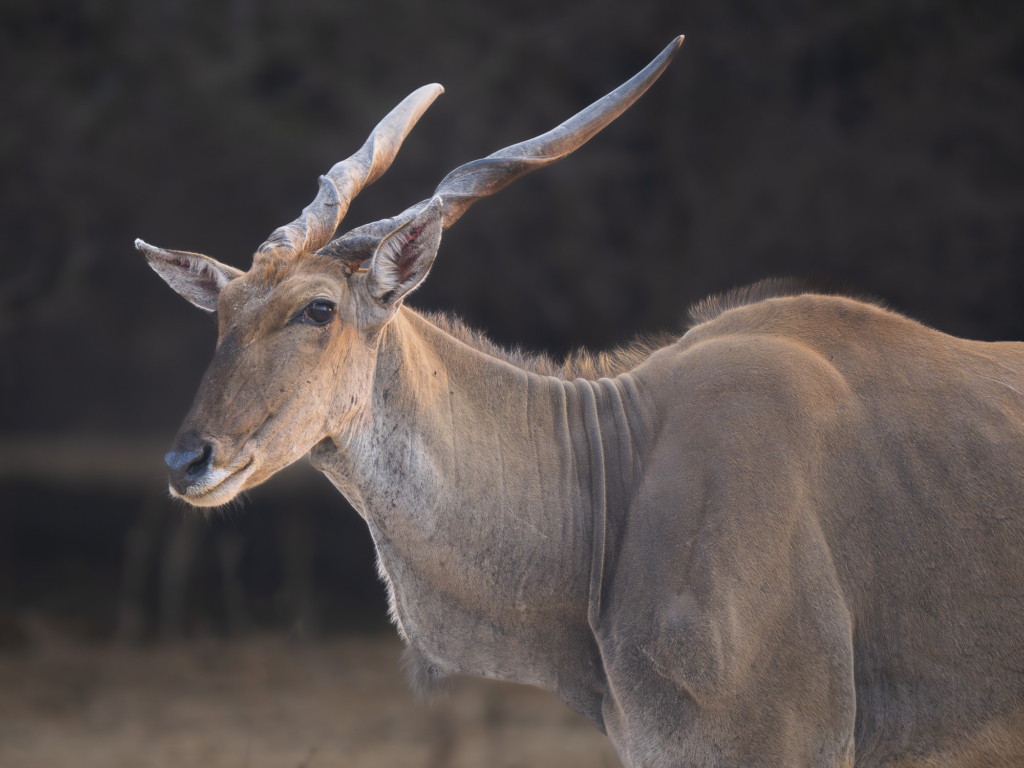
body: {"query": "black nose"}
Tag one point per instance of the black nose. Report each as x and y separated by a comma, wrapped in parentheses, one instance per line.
(188, 461)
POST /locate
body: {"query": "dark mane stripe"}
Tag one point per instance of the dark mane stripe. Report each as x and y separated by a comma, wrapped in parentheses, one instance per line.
(584, 364)
(581, 364)
(773, 288)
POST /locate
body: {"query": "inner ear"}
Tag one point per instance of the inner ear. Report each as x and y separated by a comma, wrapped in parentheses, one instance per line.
(408, 253)
(198, 278)
(404, 257)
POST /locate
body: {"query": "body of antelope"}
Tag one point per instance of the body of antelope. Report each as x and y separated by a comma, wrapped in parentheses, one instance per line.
(792, 536)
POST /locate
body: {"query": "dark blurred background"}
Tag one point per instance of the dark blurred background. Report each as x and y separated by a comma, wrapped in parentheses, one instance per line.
(878, 144)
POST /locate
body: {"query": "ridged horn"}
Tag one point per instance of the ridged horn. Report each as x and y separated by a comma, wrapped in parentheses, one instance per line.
(480, 178)
(346, 179)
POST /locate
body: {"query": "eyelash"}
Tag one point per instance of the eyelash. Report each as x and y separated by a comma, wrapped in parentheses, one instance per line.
(319, 308)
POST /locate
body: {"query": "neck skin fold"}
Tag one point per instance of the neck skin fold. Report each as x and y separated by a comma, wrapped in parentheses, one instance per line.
(486, 489)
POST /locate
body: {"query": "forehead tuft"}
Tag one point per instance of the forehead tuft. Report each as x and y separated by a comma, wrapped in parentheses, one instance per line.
(271, 266)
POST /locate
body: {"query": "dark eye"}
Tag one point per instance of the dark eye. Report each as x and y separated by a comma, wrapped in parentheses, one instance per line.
(319, 312)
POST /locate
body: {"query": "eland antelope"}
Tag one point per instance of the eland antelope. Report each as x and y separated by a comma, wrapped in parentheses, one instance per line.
(792, 536)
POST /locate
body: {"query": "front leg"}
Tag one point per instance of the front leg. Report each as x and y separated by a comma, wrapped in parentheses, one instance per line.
(654, 719)
(719, 654)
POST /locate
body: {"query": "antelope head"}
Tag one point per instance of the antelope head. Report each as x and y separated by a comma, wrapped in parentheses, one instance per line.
(298, 333)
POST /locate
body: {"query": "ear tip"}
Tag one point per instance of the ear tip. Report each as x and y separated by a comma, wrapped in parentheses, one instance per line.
(142, 245)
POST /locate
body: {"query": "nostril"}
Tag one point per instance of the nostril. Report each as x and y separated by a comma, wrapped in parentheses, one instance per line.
(199, 464)
(188, 465)
(178, 460)
(189, 461)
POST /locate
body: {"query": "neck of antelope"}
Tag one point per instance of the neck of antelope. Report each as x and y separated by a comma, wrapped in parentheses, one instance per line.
(485, 488)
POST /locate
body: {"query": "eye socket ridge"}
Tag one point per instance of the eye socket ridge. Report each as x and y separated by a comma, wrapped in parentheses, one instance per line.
(318, 312)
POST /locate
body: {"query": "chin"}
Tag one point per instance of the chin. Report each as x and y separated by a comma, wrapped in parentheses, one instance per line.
(219, 487)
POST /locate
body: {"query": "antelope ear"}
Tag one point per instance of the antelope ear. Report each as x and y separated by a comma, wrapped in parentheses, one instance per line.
(196, 277)
(404, 257)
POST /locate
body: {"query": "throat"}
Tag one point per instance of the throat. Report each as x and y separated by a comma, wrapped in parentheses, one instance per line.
(485, 489)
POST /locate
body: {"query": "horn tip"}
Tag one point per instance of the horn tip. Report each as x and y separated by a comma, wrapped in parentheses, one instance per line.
(669, 53)
(432, 91)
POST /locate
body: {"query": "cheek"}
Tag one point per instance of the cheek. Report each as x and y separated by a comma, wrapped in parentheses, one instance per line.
(348, 379)
(345, 355)
(296, 361)
(316, 385)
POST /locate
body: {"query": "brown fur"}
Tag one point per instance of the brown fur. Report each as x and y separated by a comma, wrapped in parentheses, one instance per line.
(580, 364)
(585, 364)
(718, 304)
(793, 537)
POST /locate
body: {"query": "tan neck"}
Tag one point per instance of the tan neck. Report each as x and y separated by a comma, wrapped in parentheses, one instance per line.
(484, 487)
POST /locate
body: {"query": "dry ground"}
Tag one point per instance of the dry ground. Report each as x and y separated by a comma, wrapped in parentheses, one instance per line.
(269, 703)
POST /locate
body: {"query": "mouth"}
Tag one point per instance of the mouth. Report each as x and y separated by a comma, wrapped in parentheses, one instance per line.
(218, 486)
